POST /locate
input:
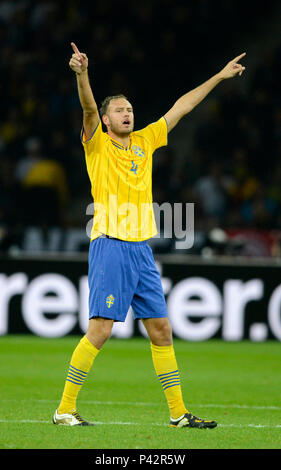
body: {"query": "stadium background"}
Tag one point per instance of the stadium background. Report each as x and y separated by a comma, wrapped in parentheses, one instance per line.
(224, 157)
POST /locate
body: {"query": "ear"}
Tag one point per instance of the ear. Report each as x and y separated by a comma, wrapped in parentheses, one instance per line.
(105, 120)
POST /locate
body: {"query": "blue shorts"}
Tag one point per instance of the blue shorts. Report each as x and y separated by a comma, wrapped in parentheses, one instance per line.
(123, 274)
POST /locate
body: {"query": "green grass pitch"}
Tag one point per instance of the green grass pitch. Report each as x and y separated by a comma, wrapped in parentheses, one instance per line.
(237, 384)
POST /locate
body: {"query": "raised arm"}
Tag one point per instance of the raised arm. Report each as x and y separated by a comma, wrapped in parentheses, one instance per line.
(79, 64)
(187, 102)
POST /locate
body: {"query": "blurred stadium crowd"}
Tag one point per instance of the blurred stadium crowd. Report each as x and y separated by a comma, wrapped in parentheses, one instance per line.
(232, 171)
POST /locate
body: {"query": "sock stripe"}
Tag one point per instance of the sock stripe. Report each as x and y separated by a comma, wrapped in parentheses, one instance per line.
(77, 380)
(174, 384)
(170, 382)
(168, 373)
(174, 376)
(170, 379)
(79, 371)
(76, 376)
(72, 381)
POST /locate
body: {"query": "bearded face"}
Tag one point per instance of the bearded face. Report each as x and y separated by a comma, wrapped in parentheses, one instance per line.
(119, 117)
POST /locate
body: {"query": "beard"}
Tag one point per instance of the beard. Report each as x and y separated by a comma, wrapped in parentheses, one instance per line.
(120, 129)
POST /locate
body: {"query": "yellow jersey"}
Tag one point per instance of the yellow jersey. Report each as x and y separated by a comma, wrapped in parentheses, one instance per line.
(121, 182)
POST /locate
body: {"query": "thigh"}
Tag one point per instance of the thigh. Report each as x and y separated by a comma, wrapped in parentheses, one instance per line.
(149, 300)
(110, 281)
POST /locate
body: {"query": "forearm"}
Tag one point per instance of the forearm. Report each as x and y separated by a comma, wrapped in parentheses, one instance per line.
(191, 99)
(187, 102)
(85, 93)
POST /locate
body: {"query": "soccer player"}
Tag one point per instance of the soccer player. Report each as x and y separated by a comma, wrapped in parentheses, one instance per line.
(122, 269)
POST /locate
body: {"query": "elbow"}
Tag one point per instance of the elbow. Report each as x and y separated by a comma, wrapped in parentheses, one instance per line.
(183, 108)
(189, 108)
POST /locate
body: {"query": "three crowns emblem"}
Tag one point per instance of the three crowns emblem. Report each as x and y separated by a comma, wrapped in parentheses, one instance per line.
(110, 300)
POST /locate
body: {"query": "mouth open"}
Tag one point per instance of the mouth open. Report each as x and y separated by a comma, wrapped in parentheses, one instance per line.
(126, 123)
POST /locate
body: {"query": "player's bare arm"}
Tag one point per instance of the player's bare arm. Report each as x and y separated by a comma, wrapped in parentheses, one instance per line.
(79, 64)
(187, 102)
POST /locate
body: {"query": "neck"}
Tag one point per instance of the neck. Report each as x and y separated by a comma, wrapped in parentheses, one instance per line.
(123, 139)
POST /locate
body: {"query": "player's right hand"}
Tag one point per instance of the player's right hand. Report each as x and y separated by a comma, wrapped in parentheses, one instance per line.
(79, 61)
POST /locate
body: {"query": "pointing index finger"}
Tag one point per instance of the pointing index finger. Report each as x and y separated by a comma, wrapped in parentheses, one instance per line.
(76, 50)
(239, 57)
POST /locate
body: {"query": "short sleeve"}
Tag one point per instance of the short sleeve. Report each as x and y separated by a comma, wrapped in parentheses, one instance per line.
(95, 142)
(156, 133)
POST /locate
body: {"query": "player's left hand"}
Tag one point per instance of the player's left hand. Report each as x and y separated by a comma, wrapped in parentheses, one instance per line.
(233, 68)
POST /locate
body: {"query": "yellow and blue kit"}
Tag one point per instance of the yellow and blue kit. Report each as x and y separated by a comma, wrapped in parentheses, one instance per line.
(122, 269)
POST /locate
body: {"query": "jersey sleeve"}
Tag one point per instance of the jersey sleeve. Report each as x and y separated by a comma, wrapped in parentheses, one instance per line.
(95, 143)
(156, 133)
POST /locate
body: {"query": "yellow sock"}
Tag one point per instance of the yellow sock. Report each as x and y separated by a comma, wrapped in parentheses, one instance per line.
(166, 368)
(80, 364)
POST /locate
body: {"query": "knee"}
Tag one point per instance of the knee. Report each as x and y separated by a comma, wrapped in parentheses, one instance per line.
(165, 333)
(99, 331)
(161, 334)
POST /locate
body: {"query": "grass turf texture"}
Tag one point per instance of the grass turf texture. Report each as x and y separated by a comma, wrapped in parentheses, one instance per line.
(237, 384)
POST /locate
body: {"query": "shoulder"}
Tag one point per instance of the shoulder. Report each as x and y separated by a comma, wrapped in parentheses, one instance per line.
(155, 134)
(153, 126)
(98, 138)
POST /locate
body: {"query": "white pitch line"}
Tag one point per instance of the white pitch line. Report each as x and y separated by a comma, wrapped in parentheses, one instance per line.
(246, 407)
(117, 423)
(138, 403)
(31, 421)
(277, 426)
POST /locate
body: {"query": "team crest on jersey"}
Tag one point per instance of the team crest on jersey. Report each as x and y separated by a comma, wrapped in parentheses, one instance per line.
(110, 300)
(138, 151)
(134, 167)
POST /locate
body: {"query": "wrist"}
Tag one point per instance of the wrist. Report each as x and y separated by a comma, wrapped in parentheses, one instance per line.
(219, 77)
(84, 72)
